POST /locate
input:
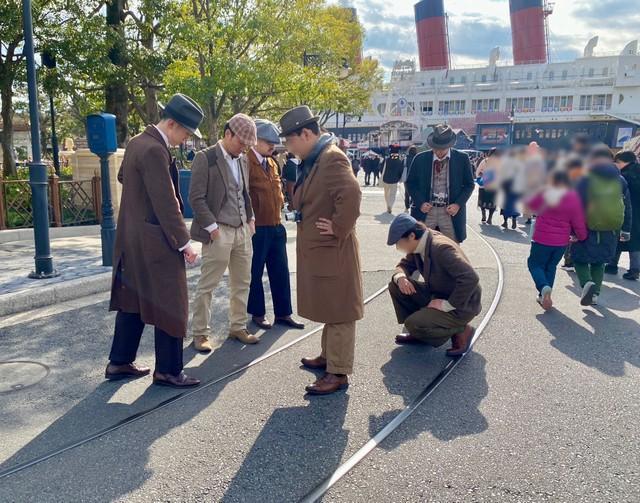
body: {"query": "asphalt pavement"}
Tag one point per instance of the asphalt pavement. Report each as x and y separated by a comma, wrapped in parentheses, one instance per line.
(544, 409)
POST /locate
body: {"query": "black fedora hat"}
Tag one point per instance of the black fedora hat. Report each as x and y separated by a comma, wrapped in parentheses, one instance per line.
(442, 137)
(185, 112)
(296, 118)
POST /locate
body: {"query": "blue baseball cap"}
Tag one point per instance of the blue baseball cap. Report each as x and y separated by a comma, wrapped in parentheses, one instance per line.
(402, 224)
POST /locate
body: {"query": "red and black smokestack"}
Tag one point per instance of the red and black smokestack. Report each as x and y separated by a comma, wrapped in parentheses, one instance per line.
(528, 31)
(433, 44)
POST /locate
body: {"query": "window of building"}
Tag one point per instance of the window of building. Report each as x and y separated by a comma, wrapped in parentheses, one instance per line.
(483, 78)
(596, 102)
(527, 104)
(565, 74)
(529, 76)
(426, 107)
(451, 107)
(556, 103)
(486, 105)
(605, 71)
(433, 81)
(591, 72)
(452, 80)
(463, 79)
(382, 108)
(551, 74)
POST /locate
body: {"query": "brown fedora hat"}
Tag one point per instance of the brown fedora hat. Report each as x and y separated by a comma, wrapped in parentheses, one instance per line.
(442, 137)
(296, 118)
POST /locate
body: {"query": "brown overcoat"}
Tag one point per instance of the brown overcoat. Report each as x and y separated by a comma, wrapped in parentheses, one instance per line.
(149, 275)
(329, 278)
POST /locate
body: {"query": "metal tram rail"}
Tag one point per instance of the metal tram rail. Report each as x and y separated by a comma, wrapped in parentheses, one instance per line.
(342, 470)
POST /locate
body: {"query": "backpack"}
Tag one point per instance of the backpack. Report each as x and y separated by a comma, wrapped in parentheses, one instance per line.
(605, 204)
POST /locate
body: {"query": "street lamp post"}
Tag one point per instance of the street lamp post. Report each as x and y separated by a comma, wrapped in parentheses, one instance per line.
(37, 169)
(49, 61)
(512, 120)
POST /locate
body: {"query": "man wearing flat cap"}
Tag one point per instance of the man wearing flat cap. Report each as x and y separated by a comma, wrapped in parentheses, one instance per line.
(270, 239)
(152, 243)
(327, 204)
(440, 305)
(440, 182)
(223, 221)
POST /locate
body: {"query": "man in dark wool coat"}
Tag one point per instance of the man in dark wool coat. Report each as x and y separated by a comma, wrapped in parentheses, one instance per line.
(152, 243)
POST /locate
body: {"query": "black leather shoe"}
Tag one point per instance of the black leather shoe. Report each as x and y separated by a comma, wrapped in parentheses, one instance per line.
(289, 322)
(126, 371)
(407, 339)
(182, 380)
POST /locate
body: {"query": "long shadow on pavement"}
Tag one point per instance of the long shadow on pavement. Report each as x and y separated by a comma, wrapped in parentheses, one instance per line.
(613, 342)
(446, 416)
(297, 447)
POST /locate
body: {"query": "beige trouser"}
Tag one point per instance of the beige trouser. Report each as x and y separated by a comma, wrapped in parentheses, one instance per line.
(439, 219)
(390, 192)
(232, 249)
(338, 346)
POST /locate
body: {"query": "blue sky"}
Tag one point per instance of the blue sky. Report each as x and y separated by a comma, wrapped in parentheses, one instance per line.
(476, 26)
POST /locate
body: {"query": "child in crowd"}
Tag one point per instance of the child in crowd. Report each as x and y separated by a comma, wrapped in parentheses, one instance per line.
(560, 217)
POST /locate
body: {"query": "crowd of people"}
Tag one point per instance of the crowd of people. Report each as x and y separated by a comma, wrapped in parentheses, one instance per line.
(582, 207)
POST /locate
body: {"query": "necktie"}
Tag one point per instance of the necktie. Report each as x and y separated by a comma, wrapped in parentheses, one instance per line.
(438, 165)
(264, 164)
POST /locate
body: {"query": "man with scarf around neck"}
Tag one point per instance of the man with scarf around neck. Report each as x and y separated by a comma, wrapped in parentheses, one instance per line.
(329, 280)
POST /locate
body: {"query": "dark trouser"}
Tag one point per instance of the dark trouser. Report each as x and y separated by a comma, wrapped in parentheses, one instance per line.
(568, 261)
(543, 262)
(367, 177)
(270, 249)
(407, 198)
(126, 341)
(429, 325)
(634, 259)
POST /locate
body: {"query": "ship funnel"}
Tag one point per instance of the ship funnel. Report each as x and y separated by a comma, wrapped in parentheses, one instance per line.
(433, 40)
(528, 31)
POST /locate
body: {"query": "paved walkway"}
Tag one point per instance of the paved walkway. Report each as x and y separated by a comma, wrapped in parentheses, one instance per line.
(77, 257)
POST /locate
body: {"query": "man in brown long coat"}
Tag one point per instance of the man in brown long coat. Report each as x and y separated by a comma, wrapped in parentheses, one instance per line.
(152, 243)
(327, 204)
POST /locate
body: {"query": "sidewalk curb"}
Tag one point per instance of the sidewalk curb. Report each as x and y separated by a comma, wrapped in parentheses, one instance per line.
(54, 294)
(10, 235)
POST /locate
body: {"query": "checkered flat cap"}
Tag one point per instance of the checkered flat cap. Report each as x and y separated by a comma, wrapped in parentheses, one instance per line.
(244, 128)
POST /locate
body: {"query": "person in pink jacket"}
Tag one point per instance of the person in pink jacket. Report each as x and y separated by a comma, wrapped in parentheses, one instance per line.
(560, 220)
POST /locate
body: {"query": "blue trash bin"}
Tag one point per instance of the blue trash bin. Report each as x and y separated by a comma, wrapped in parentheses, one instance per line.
(185, 182)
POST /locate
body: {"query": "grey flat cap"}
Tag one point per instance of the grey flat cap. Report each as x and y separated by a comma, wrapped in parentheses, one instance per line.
(402, 224)
(268, 131)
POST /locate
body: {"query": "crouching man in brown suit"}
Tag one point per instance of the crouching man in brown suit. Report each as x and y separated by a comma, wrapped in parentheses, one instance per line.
(441, 306)
(327, 204)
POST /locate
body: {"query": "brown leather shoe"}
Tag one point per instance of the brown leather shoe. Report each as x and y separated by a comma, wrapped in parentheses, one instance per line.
(262, 323)
(244, 336)
(182, 380)
(201, 343)
(290, 322)
(407, 339)
(317, 363)
(126, 371)
(461, 342)
(327, 384)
